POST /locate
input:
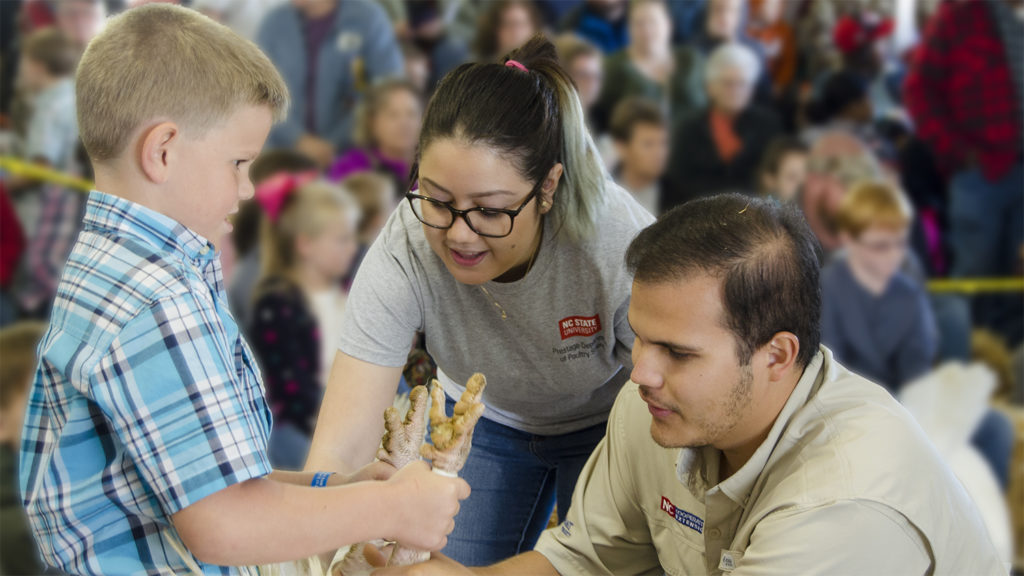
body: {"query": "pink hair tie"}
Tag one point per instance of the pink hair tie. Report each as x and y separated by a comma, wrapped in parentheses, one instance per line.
(272, 193)
(515, 64)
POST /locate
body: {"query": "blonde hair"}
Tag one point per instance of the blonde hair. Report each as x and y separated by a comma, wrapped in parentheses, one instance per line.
(373, 192)
(306, 212)
(166, 62)
(18, 344)
(873, 203)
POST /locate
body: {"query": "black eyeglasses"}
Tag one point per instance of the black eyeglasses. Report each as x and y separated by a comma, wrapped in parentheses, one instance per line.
(489, 222)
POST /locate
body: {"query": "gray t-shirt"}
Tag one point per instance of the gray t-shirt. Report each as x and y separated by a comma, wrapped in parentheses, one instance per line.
(553, 366)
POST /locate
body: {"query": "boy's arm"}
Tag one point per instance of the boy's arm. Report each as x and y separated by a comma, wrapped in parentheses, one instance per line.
(264, 521)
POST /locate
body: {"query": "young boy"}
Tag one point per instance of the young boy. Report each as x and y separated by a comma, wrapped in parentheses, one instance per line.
(783, 169)
(46, 72)
(639, 130)
(146, 432)
(876, 320)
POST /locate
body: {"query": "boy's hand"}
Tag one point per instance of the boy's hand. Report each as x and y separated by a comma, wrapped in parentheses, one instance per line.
(425, 506)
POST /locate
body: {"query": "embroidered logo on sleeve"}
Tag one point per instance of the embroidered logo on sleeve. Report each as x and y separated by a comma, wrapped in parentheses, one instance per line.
(579, 326)
(691, 521)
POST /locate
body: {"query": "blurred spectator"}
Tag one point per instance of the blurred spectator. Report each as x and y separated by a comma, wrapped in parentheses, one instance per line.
(417, 67)
(46, 72)
(18, 554)
(964, 91)
(687, 19)
(329, 52)
(309, 240)
(837, 161)
(12, 245)
(246, 231)
(377, 198)
(876, 319)
(387, 132)
(242, 16)
(436, 28)
(816, 52)
(583, 61)
(777, 39)
(640, 131)
(650, 67)
(718, 150)
(504, 26)
(602, 22)
(842, 104)
(555, 11)
(864, 39)
(725, 22)
(80, 20)
(783, 169)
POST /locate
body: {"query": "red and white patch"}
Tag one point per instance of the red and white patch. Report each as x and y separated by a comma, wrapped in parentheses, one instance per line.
(579, 326)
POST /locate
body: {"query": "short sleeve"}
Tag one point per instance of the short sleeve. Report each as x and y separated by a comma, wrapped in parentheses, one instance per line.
(605, 531)
(794, 542)
(190, 422)
(383, 312)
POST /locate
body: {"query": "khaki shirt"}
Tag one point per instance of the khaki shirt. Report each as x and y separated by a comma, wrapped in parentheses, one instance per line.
(845, 483)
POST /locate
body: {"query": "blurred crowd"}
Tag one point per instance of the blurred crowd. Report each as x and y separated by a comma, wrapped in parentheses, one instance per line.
(894, 125)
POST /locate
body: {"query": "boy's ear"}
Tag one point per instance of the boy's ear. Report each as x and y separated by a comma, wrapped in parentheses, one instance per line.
(159, 148)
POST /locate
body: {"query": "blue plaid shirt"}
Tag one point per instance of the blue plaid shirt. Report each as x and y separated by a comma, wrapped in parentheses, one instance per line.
(146, 398)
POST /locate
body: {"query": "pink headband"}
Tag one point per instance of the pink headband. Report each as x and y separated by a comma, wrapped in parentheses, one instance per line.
(515, 64)
(272, 193)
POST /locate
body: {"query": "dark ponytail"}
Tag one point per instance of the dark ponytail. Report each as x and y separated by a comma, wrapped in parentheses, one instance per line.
(534, 117)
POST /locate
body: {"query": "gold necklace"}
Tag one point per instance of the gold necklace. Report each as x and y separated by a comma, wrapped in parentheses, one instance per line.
(529, 266)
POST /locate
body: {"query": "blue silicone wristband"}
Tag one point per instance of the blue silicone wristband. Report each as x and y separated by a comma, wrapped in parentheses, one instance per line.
(320, 479)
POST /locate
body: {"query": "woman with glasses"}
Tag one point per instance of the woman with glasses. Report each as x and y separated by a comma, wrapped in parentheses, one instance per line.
(508, 254)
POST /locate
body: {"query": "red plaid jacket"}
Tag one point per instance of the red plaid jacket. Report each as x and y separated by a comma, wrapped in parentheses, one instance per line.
(960, 93)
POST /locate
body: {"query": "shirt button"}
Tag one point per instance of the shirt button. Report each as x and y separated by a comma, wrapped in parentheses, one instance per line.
(204, 250)
(714, 533)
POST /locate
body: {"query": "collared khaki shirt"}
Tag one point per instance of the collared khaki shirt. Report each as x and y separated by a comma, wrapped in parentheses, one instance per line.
(845, 483)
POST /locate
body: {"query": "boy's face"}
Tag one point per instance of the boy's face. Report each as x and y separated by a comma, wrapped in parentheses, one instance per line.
(879, 251)
(31, 74)
(587, 73)
(789, 177)
(646, 152)
(211, 175)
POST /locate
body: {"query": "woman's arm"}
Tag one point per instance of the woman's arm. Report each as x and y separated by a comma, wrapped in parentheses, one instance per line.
(351, 420)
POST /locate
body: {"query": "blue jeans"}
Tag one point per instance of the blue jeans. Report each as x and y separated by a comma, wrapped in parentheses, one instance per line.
(986, 232)
(516, 478)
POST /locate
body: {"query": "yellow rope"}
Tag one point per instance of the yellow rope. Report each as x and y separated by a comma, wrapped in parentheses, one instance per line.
(976, 285)
(25, 169)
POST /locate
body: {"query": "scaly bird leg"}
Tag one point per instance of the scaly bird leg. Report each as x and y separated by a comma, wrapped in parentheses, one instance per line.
(452, 439)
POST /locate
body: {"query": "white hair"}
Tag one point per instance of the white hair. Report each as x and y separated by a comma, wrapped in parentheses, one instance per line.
(733, 55)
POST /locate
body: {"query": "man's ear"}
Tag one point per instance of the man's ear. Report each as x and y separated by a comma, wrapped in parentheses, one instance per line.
(547, 189)
(159, 150)
(783, 350)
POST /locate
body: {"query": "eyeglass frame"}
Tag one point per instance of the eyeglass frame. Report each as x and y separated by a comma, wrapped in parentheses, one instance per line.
(455, 212)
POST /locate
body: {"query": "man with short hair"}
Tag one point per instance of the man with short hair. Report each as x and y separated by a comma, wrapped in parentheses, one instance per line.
(741, 446)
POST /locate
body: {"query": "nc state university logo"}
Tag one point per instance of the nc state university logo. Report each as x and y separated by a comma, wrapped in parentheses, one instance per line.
(579, 326)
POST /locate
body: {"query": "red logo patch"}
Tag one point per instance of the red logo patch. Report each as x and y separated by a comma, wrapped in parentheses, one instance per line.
(579, 326)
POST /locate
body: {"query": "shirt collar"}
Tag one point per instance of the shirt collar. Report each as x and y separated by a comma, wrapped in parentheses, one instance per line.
(109, 213)
(697, 465)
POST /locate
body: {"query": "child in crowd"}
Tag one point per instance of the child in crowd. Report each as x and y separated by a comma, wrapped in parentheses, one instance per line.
(377, 198)
(246, 224)
(783, 169)
(146, 432)
(387, 131)
(876, 319)
(46, 72)
(18, 350)
(308, 242)
(639, 130)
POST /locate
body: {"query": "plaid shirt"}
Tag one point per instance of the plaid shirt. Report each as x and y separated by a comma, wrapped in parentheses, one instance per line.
(960, 93)
(146, 398)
